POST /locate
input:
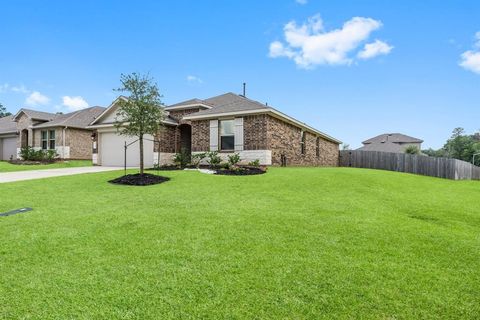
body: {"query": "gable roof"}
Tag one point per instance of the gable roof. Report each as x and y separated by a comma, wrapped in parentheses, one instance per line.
(7, 125)
(189, 104)
(95, 123)
(386, 146)
(38, 115)
(229, 104)
(77, 119)
(393, 137)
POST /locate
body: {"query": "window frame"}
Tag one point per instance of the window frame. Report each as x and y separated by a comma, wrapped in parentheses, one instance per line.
(220, 135)
(50, 140)
(44, 139)
(318, 147)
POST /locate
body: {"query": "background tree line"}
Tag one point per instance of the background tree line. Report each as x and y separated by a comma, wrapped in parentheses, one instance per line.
(460, 146)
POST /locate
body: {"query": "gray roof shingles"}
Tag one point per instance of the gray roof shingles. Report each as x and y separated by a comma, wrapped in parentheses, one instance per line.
(393, 137)
(230, 102)
(7, 125)
(39, 115)
(78, 119)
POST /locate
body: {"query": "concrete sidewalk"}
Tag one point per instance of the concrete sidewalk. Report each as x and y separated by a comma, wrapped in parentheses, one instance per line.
(48, 173)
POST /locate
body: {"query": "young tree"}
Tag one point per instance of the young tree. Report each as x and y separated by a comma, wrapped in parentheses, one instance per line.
(142, 112)
(3, 111)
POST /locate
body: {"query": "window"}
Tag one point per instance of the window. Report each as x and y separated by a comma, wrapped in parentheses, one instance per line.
(227, 135)
(318, 147)
(51, 139)
(48, 139)
(44, 140)
(302, 142)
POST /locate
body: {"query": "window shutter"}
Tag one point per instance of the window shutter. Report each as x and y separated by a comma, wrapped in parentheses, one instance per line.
(238, 134)
(213, 135)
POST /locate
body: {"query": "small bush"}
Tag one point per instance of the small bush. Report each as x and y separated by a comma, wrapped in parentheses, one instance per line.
(233, 159)
(214, 159)
(182, 159)
(197, 158)
(254, 163)
(411, 149)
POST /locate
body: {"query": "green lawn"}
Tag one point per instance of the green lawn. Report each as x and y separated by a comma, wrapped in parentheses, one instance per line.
(8, 167)
(294, 243)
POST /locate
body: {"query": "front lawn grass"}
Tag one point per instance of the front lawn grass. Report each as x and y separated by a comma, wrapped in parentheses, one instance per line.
(294, 243)
(5, 166)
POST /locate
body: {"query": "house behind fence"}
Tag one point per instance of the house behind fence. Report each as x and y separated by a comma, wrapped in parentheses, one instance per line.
(416, 164)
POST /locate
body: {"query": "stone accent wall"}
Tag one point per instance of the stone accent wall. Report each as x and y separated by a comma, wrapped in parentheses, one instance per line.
(200, 135)
(166, 136)
(255, 132)
(285, 139)
(80, 143)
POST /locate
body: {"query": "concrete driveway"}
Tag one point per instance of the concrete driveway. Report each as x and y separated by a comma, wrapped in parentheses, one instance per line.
(48, 173)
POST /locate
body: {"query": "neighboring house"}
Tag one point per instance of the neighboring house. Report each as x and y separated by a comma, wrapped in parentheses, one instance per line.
(65, 133)
(391, 142)
(8, 138)
(228, 123)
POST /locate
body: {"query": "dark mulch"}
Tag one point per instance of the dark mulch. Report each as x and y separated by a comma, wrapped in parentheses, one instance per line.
(29, 163)
(165, 168)
(138, 179)
(242, 171)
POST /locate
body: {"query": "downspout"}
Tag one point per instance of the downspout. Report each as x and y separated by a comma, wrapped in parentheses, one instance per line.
(63, 142)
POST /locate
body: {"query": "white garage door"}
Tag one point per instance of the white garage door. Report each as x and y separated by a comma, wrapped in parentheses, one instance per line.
(112, 150)
(9, 148)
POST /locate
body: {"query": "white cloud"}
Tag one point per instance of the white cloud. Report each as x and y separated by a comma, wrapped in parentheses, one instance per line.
(36, 99)
(371, 50)
(194, 79)
(470, 60)
(74, 103)
(309, 44)
(17, 89)
(301, 1)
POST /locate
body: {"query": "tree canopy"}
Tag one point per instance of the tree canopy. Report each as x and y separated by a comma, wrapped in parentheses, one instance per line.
(141, 112)
(3, 111)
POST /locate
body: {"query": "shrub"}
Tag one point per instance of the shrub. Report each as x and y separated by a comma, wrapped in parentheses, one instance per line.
(30, 154)
(233, 159)
(411, 149)
(254, 163)
(197, 158)
(182, 159)
(214, 159)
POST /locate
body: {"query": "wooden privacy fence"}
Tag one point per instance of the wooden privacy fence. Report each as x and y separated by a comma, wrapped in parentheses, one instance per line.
(417, 164)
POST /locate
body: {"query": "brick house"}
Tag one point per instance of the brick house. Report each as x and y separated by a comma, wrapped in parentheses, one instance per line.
(65, 133)
(228, 123)
(391, 142)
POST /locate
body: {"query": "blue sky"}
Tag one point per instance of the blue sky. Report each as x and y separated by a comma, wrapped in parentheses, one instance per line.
(353, 69)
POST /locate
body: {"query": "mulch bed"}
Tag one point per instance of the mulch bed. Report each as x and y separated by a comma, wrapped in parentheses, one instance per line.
(138, 179)
(29, 163)
(242, 171)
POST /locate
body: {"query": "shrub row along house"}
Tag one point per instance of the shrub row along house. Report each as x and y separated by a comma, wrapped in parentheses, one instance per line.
(228, 123)
(67, 134)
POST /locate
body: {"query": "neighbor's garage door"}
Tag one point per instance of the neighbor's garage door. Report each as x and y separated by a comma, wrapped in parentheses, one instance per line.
(9, 148)
(112, 150)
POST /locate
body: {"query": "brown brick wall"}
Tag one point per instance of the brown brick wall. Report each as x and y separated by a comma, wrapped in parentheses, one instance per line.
(255, 132)
(80, 143)
(179, 114)
(285, 138)
(166, 136)
(201, 135)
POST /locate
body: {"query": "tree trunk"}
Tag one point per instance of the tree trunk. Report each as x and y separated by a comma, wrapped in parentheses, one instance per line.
(141, 153)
